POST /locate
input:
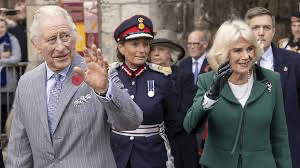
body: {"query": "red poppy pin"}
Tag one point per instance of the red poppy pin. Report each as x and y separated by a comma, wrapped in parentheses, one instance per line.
(76, 79)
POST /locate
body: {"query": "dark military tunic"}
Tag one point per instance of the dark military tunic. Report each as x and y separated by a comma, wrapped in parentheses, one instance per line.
(146, 152)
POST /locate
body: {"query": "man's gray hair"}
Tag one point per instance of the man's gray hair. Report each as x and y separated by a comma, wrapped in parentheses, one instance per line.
(207, 34)
(48, 11)
(258, 11)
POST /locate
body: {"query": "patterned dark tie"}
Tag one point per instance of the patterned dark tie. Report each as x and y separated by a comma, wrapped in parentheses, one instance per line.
(54, 101)
(196, 72)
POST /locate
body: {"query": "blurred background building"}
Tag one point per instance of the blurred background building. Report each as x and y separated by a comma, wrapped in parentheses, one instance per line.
(96, 20)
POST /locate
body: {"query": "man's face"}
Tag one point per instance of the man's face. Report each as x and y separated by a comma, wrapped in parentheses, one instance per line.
(196, 47)
(263, 29)
(21, 8)
(56, 44)
(296, 29)
(160, 55)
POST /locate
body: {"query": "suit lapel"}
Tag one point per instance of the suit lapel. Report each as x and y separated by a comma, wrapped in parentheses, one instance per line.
(41, 97)
(204, 67)
(259, 84)
(277, 59)
(280, 65)
(68, 90)
(189, 65)
(227, 94)
(257, 90)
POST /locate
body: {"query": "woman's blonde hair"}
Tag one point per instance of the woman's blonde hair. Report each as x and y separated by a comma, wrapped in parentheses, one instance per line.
(227, 35)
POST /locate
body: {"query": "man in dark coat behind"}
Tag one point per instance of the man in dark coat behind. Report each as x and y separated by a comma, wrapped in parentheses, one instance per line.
(285, 62)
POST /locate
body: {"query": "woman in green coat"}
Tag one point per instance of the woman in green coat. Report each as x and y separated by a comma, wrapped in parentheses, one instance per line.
(242, 103)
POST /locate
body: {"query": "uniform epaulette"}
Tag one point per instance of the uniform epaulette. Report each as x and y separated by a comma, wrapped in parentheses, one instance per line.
(115, 65)
(165, 70)
(283, 42)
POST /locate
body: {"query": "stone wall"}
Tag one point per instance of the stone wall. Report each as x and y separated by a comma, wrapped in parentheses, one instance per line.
(181, 16)
(113, 12)
(212, 13)
(176, 15)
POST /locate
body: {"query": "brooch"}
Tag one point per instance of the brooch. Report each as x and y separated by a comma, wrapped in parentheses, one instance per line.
(269, 86)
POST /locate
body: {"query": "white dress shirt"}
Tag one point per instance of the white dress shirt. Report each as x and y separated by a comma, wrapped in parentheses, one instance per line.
(200, 62)
(267, 60)
(51, 79)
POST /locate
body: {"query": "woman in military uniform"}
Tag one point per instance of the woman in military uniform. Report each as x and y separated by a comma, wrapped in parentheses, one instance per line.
(151, 88)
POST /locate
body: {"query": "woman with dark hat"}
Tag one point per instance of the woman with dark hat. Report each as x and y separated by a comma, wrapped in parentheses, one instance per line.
(165, 51)
(150, 88)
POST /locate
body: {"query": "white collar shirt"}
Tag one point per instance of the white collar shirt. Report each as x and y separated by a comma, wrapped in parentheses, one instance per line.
(51, 80)
(267, 60)
(200, 62)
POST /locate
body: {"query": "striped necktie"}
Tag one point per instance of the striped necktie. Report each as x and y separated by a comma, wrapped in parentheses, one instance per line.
(54, 101)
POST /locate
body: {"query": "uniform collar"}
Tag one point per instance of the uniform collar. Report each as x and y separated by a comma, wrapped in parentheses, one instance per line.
(131, 73)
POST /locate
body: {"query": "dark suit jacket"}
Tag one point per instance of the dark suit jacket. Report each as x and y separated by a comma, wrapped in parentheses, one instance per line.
(1, 159)
(183, 77)
(183, 82)
(187, 64)
(287, 63)
(185, 149)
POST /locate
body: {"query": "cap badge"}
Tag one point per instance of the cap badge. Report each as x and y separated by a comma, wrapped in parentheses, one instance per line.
(141, 24)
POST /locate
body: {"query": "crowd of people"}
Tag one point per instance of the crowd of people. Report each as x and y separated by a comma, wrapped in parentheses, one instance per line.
(234, 104)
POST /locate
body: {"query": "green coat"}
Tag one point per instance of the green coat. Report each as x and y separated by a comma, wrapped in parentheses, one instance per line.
(251, 137)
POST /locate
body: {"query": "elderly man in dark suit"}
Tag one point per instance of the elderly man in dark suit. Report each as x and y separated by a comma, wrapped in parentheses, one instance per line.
(197, 45)
(285, 62)
(63, 113)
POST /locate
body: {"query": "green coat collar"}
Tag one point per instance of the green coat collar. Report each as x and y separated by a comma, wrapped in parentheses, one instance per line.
(258, 88)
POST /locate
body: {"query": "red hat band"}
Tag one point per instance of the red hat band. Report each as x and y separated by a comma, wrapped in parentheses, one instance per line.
(133, 30)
